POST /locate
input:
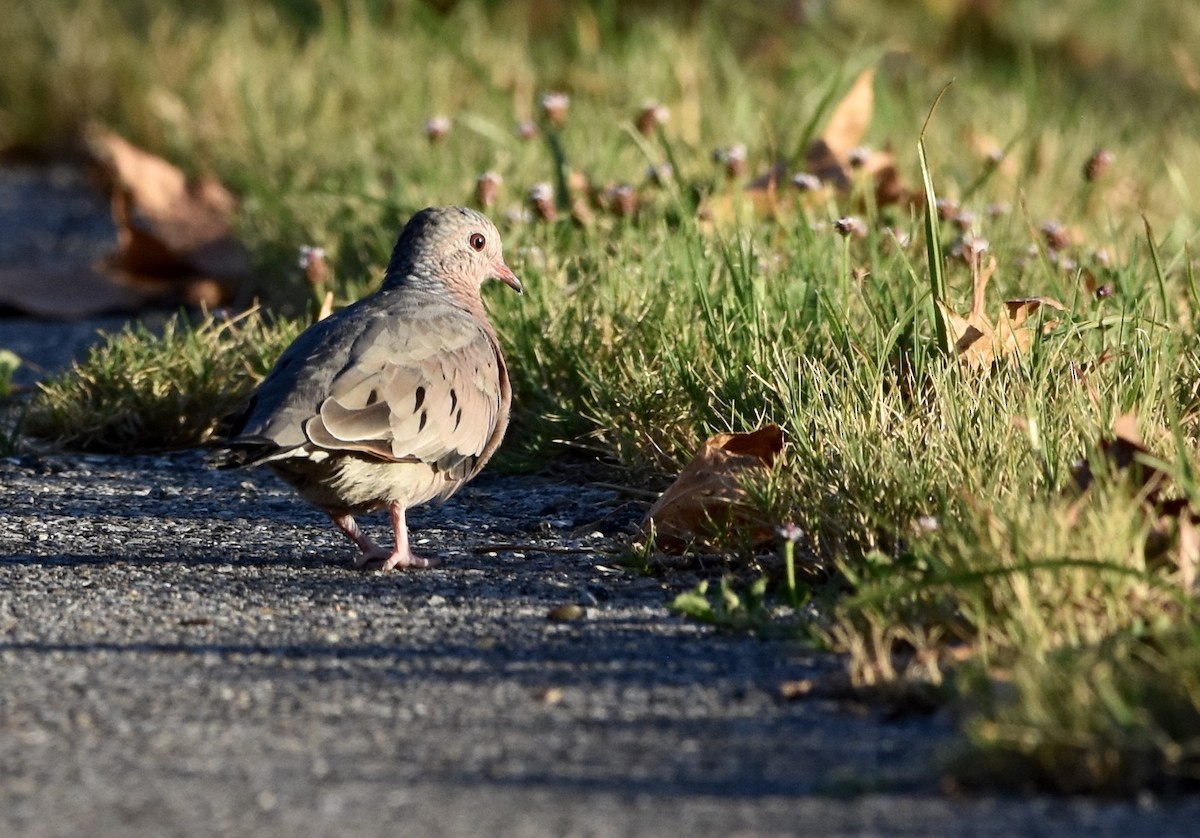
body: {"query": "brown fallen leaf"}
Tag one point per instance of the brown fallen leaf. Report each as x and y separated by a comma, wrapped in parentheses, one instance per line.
(820, 160)
(707, 497)
(170, 230)
(849, 121)
(837, 156)
(1127, 453)
(978, 342)
(174, 242)
(836, 159)
(889, 186)
(829, 156)
(1173, 537)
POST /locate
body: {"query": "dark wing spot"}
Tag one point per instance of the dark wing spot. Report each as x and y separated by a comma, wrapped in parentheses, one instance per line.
(372, 397)
(458, 419)
(420, 399)
(453, 399)
(421, 424)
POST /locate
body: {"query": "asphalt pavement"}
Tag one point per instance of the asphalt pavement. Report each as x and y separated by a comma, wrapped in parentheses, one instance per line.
(185, 651)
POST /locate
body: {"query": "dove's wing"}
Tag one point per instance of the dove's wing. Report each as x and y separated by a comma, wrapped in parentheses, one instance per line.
(409, 377)
(429, 390)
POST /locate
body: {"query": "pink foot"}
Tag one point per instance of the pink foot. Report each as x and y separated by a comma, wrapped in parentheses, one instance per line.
(397, 560)
(373, 556)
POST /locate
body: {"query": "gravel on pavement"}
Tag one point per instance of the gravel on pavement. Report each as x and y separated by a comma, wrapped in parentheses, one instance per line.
(186, 651)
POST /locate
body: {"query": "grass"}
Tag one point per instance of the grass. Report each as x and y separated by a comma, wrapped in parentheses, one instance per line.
(142, 391)
(939, 498)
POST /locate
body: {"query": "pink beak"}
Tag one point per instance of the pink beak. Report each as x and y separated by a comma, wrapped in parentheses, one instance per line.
(504, 273)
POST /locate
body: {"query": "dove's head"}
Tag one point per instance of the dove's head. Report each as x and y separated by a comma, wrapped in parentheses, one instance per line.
(453, 247)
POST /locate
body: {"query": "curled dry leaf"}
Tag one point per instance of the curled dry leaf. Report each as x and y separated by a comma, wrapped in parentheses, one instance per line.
(1173, 536)
(978, 341)
(169, 229)
(889, 186)
(821, 161)
(849, 121)
(1128, 454)
(836, 159)
(838, 153)
(173, 244)
(707, 498)
(829, 156)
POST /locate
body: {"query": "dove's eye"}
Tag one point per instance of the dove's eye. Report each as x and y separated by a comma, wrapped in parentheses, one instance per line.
(477, 241)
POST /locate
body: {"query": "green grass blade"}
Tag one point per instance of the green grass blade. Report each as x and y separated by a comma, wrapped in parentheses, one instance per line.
(1165, 312)
(933, 240)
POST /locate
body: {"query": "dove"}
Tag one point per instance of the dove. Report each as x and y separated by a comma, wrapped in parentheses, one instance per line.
(396, 400)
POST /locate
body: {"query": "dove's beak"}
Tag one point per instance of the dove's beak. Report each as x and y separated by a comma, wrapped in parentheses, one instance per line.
(504, 273)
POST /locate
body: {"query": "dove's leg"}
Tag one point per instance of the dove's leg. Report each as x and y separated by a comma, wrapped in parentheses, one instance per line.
(370, 550)
(375, 557)
(402, 556)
